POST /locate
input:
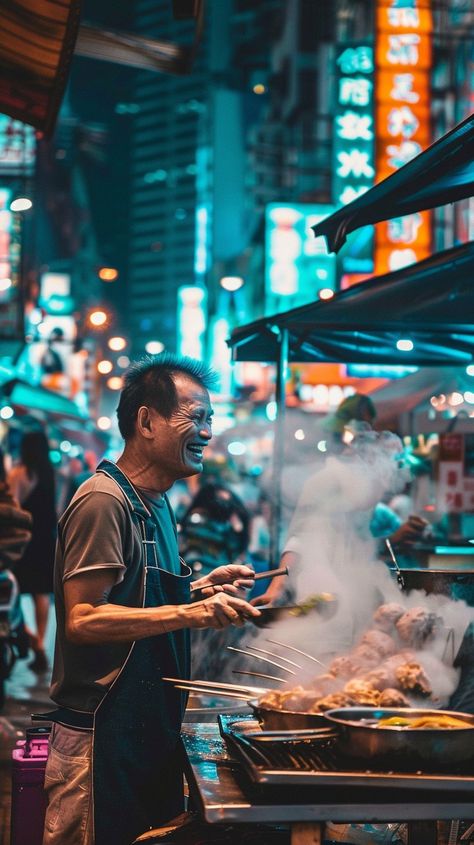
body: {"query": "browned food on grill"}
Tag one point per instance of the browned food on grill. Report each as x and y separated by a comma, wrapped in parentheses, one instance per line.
(381, 677)
(412, 678)
(362, 693)
(381, 642)
(336, 700)
(393, 698)
(301, 700)
(416, 626)
(296, 699)
(366, 657)
(324, 684)
(386, 616)
(344, 666)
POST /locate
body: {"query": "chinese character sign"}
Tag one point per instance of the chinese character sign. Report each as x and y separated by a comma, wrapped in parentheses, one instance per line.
(297, 265)
(354, 133)
(402, 91)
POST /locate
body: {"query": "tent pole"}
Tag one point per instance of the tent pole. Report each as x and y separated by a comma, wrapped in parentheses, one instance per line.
(279, 445)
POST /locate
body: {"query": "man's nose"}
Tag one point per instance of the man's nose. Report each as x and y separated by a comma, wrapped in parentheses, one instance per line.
(206, 431)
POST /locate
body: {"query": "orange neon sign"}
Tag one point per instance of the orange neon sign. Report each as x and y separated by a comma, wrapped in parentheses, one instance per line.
(402, 94)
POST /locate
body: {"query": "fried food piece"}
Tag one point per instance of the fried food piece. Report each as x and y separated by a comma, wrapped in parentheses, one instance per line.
(416, 626)
(334, 701)
(362, 692)
(393, 698)
(324, 684)
(344, 666)
(412, 678)
(381, 642)
(366, 657)
(386, 616)
(272, 699)
(381, 677)
(424, 722)
(301, 700)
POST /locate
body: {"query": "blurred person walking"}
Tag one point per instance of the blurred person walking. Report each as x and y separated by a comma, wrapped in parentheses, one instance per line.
(32, 483)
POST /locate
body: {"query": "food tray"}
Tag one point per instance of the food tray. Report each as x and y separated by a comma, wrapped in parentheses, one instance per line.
(301, 763)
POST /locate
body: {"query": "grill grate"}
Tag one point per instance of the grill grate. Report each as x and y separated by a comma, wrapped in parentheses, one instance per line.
(298, 761)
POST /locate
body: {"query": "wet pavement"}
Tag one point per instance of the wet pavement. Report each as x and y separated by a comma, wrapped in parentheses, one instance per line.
(27, 692)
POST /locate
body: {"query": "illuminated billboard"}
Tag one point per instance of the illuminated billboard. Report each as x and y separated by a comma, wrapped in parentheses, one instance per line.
(297, 265)
(402, 96)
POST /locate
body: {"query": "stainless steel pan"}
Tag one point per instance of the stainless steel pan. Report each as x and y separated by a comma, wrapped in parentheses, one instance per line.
(403, 746)
(270, 718)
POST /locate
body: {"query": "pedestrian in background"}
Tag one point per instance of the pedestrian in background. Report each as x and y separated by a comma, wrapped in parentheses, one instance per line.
(32, 483)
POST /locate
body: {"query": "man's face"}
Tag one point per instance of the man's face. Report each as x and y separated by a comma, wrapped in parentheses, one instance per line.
(179, 442)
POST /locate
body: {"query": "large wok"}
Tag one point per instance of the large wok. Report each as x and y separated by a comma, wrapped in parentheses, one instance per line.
(402, 747)
(457, 584)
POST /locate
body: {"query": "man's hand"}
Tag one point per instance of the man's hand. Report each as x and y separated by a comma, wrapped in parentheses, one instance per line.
(409, 532)
(219, 611)
(233, 579)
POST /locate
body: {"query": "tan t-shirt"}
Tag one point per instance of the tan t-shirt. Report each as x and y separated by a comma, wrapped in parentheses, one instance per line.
(96, 531)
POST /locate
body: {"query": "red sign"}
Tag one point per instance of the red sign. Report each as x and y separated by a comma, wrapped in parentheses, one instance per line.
(402, 95)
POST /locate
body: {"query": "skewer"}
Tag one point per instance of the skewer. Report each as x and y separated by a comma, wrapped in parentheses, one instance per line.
(257, 657)
(218, 693)
(269, 573)
(272, 654)
(258, 675)
(227, 687)
(298, 651)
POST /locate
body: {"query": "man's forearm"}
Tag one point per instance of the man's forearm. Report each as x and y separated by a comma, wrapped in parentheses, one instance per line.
(112, 623)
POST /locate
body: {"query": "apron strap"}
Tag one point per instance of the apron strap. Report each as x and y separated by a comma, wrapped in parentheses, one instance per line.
(140, 513)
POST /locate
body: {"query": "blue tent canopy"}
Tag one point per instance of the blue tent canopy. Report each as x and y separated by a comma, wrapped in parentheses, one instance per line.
(441, 174)
(431, 303)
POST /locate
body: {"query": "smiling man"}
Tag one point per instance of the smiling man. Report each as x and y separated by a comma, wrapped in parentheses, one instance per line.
(123, 617)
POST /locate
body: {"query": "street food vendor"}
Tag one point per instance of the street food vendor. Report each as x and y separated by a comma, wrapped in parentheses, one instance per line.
(124, 614)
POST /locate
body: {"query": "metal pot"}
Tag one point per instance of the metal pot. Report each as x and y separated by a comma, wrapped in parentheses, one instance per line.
(272, 719)
(455, 583)
(402, 747)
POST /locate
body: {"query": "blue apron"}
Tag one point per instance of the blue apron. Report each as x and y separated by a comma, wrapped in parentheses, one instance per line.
(137, 771)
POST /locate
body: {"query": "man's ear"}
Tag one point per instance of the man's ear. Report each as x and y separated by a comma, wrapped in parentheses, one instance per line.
(144, 422)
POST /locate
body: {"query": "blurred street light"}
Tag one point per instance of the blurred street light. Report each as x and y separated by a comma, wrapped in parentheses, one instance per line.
(105, 367)
(98, 318)
(21, 203)
(326, 293)
(6, 412)
(104, 423)
(123, 361)
(108, 274)
(5, 284)
(231, 283)
(154, 347)
(115, 383)
(117, 343)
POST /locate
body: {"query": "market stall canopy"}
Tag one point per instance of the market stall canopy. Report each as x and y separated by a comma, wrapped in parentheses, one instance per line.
(441, 174)
(37, 40)
(26, 397)
(430, 303)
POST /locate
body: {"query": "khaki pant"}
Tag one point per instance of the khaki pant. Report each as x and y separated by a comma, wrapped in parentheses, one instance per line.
(68, 786)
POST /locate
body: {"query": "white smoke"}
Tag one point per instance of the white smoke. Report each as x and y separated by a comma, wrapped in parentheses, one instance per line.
(330, 532)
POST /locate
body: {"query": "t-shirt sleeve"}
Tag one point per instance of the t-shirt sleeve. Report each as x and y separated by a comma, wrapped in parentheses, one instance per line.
(93, 535)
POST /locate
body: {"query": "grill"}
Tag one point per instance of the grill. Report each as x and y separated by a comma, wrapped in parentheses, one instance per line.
(297, 762)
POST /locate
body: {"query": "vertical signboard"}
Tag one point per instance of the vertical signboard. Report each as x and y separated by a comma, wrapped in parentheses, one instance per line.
(297, 265)
(353, 149)
(402, 95)
(11, 308)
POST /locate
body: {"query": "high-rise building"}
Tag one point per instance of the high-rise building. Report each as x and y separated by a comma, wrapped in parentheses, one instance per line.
(189, 217)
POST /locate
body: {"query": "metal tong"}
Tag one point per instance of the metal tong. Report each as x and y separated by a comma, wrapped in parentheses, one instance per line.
(400, 579)
(269, 573)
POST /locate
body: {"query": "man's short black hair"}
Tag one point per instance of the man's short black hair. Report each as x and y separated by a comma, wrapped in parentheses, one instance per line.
(150, 382)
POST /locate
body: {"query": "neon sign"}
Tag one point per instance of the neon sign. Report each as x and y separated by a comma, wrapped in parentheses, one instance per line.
(297, 264)
(402, 91)
(354, 139)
